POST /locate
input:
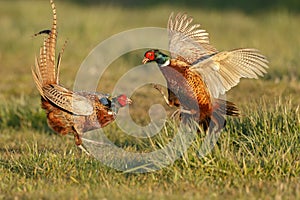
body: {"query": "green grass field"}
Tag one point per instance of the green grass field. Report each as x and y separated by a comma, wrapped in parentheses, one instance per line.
(256, 157)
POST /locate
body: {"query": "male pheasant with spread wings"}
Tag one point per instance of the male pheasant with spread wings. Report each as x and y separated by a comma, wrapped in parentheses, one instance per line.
(68, 111)
(197, 74)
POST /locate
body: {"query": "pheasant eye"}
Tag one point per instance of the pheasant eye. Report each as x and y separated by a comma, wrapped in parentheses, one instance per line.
(150, 55)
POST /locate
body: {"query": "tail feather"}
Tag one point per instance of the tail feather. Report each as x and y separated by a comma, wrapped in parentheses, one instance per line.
(37, 77)
(217, 119)
(51, 42)
(44, 72)
(226, 108)
(59, 61)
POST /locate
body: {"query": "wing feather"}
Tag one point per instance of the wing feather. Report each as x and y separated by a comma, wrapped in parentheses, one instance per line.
(68, 100)
(223, 70)
(187, 41)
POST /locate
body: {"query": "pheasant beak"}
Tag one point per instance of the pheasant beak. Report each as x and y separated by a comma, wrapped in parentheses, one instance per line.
(145, 60)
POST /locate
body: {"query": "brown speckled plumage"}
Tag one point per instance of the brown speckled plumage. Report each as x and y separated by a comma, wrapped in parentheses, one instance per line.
(69, 112)
(197, 72)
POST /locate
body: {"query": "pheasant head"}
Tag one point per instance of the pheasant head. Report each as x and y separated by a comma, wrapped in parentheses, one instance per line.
(119, 102)
(155, 55)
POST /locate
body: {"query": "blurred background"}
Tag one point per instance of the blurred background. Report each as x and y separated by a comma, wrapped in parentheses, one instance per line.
(270, 26)
(243, 5)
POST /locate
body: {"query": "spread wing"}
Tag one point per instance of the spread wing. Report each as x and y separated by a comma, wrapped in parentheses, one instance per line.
(187, 41)
(68, 100)
(223, 70)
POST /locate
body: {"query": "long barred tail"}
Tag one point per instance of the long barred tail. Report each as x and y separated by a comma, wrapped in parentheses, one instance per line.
(46, 71)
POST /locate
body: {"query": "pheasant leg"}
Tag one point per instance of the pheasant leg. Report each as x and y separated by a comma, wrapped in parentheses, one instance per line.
(159, 88)
(78, 142)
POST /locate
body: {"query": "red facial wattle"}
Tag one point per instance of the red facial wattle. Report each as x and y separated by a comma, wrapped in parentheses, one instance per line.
(150, 55)
(123, 100)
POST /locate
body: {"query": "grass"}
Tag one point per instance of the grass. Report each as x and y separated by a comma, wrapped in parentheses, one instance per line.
(256, 156)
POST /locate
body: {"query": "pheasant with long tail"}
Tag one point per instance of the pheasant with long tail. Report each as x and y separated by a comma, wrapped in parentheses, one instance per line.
(68, 111)
(197, 74)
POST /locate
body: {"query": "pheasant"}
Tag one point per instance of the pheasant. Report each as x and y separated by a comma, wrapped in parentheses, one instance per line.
(197, 74)
(68, 111)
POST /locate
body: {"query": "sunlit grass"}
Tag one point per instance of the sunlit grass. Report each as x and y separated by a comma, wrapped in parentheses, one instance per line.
(256, 156)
